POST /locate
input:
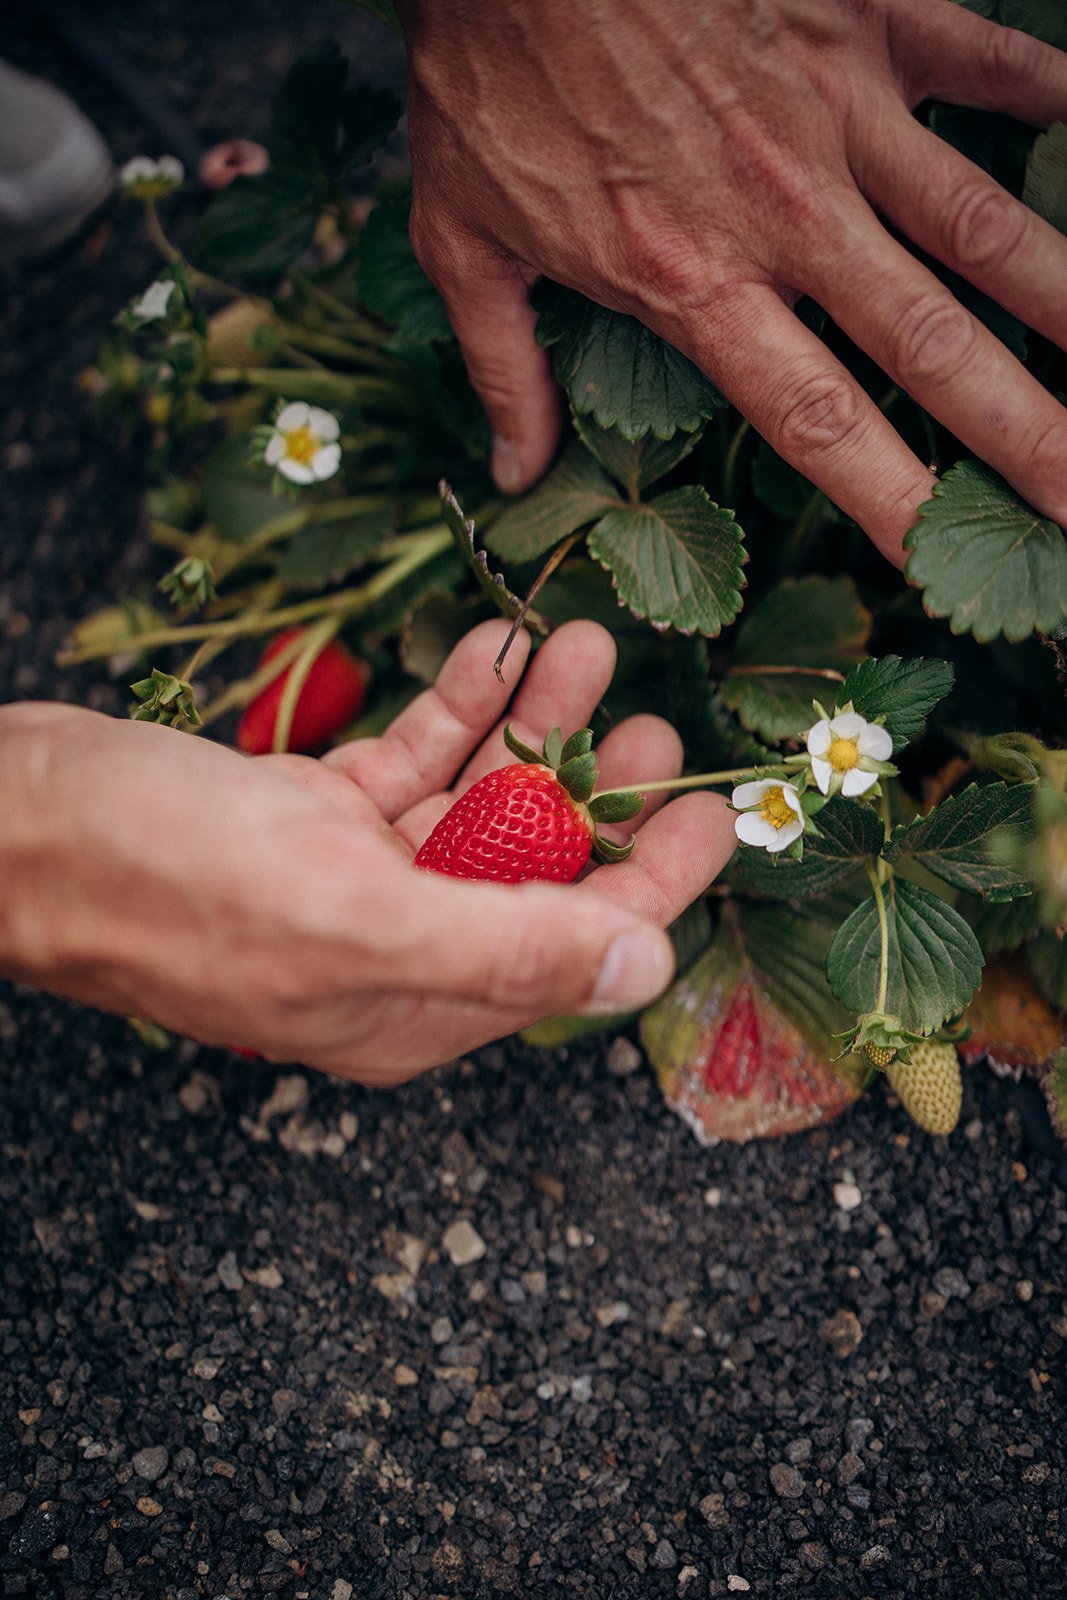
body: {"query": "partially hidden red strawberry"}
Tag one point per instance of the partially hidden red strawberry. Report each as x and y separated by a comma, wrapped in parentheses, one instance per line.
(332, 695)
(534, 819)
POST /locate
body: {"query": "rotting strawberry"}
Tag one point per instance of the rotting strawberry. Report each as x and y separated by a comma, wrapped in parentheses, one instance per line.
(929, 1086)
(331, 696)
(536, 818)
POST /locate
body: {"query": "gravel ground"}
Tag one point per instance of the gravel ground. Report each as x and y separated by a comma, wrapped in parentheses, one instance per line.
(509, 1330)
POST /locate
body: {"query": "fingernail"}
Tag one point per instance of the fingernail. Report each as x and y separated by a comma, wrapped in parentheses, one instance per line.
(635, 970)
(507, 468)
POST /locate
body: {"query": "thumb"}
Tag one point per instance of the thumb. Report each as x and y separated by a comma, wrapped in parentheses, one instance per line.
(485, 294)
(534, 949)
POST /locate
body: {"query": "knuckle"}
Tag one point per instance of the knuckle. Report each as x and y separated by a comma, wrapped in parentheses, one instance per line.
(819, 411)
(930, 340)
(985, 226)
(1010, 57)
(1045, 451)
(665, 271)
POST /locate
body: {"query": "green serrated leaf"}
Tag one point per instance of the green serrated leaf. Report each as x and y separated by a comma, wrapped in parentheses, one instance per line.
(1045, 188)
(575, 492)
(951, 841)
(803, 627)
(986, 560)
(389, 279)
(319, 128)
(327, 553)
(237, 495)
(849, 834)
(1003, 925)
(677, 561)
(634, 463)
(1048, 963)
(900, 692)
(777, 485)
(790, 953)
(935, 961)
(619, 372)
(258, 226)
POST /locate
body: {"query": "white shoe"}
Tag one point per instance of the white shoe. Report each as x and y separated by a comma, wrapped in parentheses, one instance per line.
(55, 169)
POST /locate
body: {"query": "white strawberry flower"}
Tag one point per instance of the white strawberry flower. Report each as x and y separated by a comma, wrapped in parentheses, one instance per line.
(303, 443)
(848, 753)
(155, 302)
(145, 179)
(771, 818)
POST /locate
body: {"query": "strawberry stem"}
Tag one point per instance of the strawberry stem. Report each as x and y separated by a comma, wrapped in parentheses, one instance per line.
(697, 781)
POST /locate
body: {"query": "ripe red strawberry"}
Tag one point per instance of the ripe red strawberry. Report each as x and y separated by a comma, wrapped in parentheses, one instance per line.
(533, 819)
(332, 695)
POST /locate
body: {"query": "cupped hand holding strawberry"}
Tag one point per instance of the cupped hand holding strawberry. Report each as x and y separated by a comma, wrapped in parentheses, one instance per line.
(273, 901)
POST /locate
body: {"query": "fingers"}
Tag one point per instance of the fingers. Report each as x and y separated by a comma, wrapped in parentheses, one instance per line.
(532, 948)
(911, 325)
(948, 53)
(565, 682)
(954, 211)
(643, 748)
(679, 852)
(423, 749)
(485, 294)
(810, 409)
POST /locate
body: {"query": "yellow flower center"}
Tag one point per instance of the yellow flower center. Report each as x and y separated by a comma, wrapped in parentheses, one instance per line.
(301, 445)
(775, 808)
(843, 755)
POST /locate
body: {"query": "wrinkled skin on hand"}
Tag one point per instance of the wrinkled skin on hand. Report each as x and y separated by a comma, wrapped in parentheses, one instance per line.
(701, 164)
(270, 902)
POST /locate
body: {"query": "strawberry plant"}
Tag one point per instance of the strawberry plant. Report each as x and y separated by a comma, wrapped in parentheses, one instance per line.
(893, 748)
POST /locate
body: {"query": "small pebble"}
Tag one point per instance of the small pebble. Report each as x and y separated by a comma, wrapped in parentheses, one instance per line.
(151, 1463)
(847, 1197)
(463, 1243)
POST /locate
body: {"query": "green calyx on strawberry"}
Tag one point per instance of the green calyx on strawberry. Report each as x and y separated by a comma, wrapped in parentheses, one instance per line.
(535, 819)
(881, 1037)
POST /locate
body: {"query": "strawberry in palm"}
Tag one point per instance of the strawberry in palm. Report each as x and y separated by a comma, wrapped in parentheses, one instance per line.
(536, 818)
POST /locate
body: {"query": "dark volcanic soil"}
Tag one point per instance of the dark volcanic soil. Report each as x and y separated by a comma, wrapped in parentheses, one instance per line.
(240, 1351)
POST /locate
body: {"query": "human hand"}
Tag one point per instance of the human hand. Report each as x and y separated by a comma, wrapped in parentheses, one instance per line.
(701, 164)
(270, 902)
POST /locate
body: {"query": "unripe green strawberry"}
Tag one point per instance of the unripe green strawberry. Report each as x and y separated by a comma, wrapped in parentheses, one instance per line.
(879, 1055)
(534, 819)
(929, 1087)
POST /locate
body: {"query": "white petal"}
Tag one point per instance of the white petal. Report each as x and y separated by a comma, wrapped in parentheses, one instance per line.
(323, 424)
(295, 415)
(325, 462)
(785, 836)
(275, 449)
(170, 167)
(857, 781)
(876, 742)
(295, 471)
(750, 794)
(139, 168)
(819, 738)
(751, 828)
(792, 800)
(848, 725)
(823, 772)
